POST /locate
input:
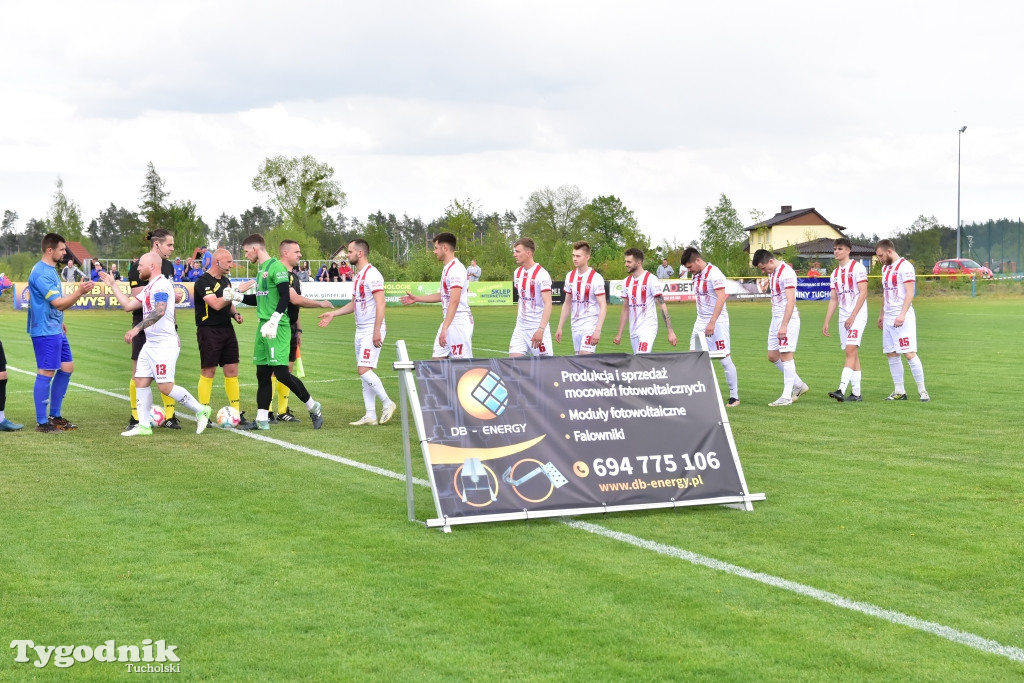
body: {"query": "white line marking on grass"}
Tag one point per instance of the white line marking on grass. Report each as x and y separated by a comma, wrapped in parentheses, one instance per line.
(76, 385)
(266, 439)
(327, 456)
(892, 616)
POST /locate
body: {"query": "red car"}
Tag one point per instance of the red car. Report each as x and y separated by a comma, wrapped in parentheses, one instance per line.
(961, 266)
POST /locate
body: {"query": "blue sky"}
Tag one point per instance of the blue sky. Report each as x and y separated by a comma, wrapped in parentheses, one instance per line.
(853, 110)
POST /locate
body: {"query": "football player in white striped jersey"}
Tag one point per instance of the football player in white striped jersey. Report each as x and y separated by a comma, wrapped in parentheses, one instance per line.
(532, 334)
(898, 321)
(641, 292)
(585, 298)
(849, 292)
(784, 331)
(368, 307)
(455, 336)
(712, 315)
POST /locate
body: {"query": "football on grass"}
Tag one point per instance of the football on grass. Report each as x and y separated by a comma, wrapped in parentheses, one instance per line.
(158, 416)
(228, 417)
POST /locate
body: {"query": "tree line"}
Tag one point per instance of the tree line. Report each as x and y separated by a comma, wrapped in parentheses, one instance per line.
(305, 203)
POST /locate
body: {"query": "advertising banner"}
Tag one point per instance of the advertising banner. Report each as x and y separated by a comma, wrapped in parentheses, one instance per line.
(557, 292)
(672, 290)
(100, 298)
(575, 434)
(480, 293)
(813, 288)
(337, 293)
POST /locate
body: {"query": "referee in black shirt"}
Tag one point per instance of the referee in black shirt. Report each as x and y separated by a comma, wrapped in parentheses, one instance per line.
(218, 345)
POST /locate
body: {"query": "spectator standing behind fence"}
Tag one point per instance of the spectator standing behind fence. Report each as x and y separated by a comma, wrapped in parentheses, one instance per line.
(179, 270)
(665, 271)
(473, 273)
(114, 272)
(68, 273)
(304, 275)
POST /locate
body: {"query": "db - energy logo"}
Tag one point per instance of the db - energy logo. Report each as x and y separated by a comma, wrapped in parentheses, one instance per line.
(482, 394)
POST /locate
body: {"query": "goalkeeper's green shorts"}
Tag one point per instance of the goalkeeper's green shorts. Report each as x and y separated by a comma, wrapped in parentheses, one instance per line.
(273, 351)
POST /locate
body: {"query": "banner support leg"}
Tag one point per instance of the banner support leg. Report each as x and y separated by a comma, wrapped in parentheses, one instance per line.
(409, 495)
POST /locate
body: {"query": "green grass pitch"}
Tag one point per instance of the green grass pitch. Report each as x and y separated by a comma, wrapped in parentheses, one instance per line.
(264, 563)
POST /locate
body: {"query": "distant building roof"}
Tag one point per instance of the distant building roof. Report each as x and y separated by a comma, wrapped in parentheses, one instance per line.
(787, 214)
(78, 252)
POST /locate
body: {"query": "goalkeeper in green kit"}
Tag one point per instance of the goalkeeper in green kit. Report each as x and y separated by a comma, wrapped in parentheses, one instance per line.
(273, 340)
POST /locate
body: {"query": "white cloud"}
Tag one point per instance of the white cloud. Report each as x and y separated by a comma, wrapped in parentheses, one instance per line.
(851, 109)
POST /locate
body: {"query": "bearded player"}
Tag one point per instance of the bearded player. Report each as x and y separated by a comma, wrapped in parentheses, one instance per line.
(898, 321)
(455, 336)
(712, 315)
(641, 294)
(158, 357)
(368, 306)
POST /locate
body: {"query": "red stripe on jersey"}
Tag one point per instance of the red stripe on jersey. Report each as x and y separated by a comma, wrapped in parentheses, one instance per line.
(444, 277)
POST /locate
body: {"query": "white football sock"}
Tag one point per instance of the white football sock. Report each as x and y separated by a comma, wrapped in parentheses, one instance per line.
(730, 376)
(789, 378)
(844, 380)
(144, 404)
(369, 397)
(181, 395)
(917, 370)
(896, 370)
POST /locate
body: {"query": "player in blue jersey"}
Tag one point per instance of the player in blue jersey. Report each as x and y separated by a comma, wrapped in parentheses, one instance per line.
(47, 303)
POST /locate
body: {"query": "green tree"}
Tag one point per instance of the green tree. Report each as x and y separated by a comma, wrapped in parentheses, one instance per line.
(65, 217)
(258, 220)
(9, 232)
(32, 239)
(228, 233)
(722, 236)
(379, 232)
(611, 228)
(301, 188)
(153, 208)
(190, 231)
(459, 220)
(550, 217)
(307, 245)
(922, 242)
(112, 229)
(495, 259)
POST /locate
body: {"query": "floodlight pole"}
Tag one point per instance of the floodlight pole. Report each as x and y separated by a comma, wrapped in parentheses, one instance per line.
(958, 137)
